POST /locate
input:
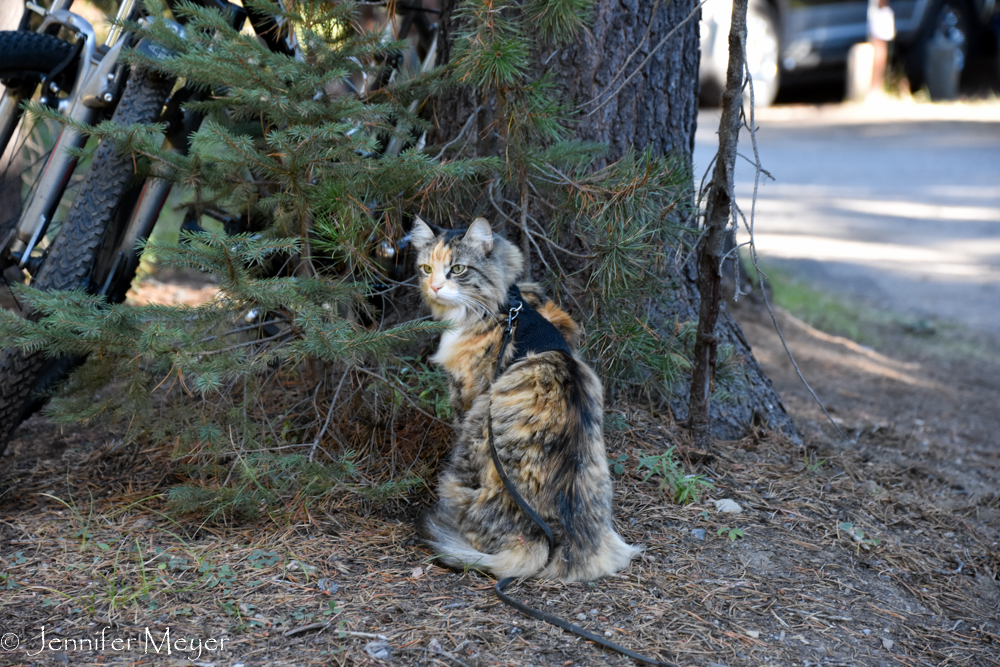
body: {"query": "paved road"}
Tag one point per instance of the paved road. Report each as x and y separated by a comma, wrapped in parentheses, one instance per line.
(896, 203)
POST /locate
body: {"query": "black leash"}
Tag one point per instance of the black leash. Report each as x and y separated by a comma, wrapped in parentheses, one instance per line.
(498, 588)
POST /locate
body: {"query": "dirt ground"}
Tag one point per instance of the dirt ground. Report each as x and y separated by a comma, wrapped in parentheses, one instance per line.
(881, 549)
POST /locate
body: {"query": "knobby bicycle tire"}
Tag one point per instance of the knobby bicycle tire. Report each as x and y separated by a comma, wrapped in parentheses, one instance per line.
(30, 55)
(70, 260)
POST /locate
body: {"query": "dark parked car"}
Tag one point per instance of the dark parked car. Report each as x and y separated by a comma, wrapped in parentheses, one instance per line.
(800, 39)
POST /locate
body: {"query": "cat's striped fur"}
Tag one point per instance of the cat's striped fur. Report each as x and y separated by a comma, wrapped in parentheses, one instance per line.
(547, 422)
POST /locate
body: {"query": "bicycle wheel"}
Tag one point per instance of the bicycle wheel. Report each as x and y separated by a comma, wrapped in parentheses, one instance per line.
(69, 261)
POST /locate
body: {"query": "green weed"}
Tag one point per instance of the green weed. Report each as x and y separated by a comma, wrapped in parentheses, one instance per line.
(260, 559)
(82, 524)
(616, 464)
(683, 489)
(430, 384)
(858, 536)
(732, 533)
(813, 464)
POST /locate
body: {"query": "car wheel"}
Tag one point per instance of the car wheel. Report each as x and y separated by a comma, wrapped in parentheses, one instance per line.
(763, 47)
(949, 21)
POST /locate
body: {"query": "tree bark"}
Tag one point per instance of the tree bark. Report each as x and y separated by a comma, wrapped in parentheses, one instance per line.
(657, 108)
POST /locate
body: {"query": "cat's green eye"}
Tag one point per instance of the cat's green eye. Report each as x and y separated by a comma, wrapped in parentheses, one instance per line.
(458, 269)
(426, 268)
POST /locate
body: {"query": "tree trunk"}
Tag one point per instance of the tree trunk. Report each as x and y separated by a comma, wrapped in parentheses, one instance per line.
(656, 108)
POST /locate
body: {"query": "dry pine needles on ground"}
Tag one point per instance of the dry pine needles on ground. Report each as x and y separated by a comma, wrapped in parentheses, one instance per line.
(838, 560)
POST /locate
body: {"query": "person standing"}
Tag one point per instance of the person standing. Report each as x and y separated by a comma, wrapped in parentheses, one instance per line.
(881, 31)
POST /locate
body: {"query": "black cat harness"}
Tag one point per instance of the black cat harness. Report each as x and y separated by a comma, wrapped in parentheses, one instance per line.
(533, 333)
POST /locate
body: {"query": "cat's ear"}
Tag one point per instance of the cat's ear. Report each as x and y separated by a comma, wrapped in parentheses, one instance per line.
(421, 234)
(480, 234)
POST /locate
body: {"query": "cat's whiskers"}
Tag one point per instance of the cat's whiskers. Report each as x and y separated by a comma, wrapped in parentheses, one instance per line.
(482, 305)
(473, 303)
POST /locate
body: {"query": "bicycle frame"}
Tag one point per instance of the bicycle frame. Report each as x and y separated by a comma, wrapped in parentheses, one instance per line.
(98, 77)
(98, 82)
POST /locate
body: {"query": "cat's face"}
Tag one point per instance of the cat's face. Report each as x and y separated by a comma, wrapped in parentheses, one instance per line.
(464, 273)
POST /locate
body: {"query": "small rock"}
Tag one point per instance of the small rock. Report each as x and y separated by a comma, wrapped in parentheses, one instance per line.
(887, 644)
(594, 612)
(380, 650)
(607, 633)
(728, 506)
(581, 617)
(753, 634)
(867, 631)
(698, 533)
(417, 572)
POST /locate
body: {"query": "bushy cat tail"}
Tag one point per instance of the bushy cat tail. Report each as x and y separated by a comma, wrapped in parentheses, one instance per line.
(456, 552)
(610, 554)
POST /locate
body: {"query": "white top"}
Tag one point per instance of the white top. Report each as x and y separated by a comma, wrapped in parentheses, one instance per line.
(881, 23)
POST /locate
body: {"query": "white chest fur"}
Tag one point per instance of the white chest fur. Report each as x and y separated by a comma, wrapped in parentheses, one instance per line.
(447, 347)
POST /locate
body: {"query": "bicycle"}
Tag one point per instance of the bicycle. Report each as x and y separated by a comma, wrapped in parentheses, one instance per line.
(72, 231)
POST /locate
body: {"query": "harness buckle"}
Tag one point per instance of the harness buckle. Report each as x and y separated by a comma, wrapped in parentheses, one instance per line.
(512, 315)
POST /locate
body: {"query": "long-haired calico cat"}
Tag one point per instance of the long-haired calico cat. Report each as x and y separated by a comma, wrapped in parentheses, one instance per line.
(546, 415)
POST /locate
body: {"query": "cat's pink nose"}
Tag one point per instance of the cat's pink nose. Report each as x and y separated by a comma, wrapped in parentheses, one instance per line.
(436, 288)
